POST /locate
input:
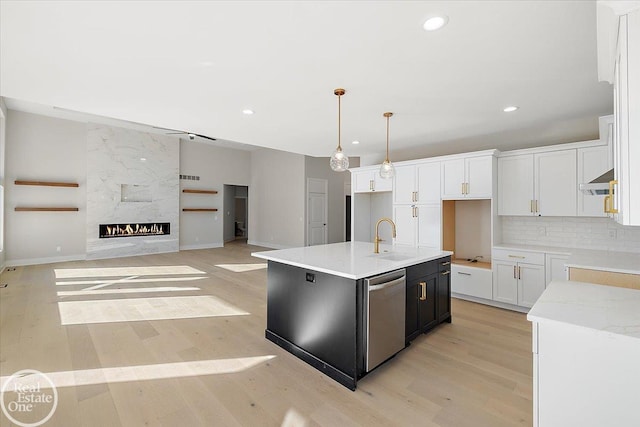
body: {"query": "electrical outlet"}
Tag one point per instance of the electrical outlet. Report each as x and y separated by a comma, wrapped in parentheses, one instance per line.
(58, 248)
(542, 231)
(197, 239)
(613, 233)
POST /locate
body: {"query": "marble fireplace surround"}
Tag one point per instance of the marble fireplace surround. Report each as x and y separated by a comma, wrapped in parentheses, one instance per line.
(126, 159)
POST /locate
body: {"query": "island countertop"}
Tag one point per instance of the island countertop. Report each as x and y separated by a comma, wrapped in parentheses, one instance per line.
(352, 260)
(601, 308)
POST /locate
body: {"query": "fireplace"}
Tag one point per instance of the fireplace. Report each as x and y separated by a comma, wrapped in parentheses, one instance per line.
(134, 229)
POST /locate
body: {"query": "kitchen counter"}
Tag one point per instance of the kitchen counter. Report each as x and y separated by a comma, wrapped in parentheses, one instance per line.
(352, 260)
(615, 262)
(602, 308)
(586, 347)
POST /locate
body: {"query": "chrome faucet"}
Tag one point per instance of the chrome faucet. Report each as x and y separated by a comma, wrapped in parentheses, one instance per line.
(377, 239)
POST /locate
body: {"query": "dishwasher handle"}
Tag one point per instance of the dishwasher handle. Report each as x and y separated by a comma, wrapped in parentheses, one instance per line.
(385, 285)
(385, 277)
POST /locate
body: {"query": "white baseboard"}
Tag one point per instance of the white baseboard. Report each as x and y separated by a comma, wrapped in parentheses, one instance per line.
(201, 246)
(491, 303)
(47, 260)
(267, 245)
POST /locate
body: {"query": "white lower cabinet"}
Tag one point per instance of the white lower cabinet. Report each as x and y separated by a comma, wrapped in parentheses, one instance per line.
(475, 282)
(555, 267)
(519, 277)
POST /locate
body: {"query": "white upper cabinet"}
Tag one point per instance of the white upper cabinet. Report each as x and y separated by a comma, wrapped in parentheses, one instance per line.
(626, 85)
(515, 185)
(418, 183)
(542, 184)
(470, 177)
(555, 183)
(592, 162)
(369, 181)
(418, 225)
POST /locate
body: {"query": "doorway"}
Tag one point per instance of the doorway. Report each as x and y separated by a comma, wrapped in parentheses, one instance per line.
(236, 212)
(317, 211)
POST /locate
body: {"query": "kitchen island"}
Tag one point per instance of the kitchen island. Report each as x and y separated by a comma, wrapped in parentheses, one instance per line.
(586, 347)
(319, 309)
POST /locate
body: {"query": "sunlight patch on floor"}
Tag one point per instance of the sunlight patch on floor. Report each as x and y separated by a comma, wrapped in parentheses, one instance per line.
(125, 291)
(146, 372)
(241, 268)
(70, 273)
(146, 280)
(136, 309)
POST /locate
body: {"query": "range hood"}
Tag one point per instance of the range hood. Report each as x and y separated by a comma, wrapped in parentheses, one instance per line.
(598, 186)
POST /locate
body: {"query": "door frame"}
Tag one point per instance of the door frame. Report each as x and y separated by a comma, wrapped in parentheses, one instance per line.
(311, 184)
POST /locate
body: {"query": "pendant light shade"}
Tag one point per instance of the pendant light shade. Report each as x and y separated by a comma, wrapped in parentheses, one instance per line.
(339, 162)
(387, 170)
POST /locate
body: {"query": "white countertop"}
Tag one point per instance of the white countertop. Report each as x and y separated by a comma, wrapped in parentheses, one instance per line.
(617, 262)
(535, 248)
(352, 260)
(602, 308)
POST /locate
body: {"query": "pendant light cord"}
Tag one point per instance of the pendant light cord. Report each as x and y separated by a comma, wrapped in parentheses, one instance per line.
(339, 124)
(387, 158)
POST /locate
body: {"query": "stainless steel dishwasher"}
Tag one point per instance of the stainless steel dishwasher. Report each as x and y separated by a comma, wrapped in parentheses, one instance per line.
(385, 322)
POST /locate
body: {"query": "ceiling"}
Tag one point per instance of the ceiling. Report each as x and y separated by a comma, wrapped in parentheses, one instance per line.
(194, 66)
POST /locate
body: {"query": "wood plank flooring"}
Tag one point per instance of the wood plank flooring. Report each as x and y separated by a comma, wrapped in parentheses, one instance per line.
(118, 361)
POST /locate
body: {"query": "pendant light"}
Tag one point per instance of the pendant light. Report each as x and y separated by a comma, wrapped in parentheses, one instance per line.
(339, 162)
(386, 169)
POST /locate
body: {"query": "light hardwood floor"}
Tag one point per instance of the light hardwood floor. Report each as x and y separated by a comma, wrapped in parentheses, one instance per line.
(169, 369)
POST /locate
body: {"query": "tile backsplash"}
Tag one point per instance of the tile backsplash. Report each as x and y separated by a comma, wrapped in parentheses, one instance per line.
(570, 232)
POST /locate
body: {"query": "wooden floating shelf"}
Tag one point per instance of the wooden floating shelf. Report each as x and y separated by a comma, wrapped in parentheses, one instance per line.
(48, 183)
(199, 210)
(19, 209)
(188, 190)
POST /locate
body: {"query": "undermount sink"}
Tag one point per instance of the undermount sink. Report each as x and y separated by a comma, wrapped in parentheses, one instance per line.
(392, 256)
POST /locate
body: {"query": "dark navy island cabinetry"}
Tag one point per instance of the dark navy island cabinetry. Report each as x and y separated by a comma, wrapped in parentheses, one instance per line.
(428, 296)
(320, 305)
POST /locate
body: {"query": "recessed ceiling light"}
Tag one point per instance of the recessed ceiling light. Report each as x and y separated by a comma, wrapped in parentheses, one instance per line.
(207, 63)
(435, 22)
(143, 159)
(247, 112)
(355, 142)
(510, 108)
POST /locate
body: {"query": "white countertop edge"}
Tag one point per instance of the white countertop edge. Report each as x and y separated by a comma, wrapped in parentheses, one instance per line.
(606, 309)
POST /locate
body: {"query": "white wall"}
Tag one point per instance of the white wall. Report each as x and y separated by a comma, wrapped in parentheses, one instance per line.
(3, 116)
(318, 167)
(277, 198)
(44, 149)
(473, 229)
(571, 232)
(215, 166)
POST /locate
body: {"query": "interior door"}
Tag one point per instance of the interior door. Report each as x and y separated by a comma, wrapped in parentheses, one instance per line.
(317, 211)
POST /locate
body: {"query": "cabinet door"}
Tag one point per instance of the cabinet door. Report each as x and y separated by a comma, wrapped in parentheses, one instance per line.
(404, 185)
(381, 184)
(428, 300)
(592, 162)
(412, 327)
(505, 282)
(406, 224)
(515, 185)
(555, 267)
(429, 226)
(452, 179)
(479, 173)
(428, 183)
(531, 283)
(362, 182)
(556, 187)
(443, 309)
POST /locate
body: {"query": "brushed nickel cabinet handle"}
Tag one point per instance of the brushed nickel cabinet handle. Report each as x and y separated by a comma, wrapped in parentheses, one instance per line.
(519, 273)
(445, 263)
(537, 208)
(516, 256)
(423, 294)
(514, 272)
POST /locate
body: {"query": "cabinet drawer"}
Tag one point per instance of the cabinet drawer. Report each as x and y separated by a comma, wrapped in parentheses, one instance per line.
(476, 282)
(518, 256)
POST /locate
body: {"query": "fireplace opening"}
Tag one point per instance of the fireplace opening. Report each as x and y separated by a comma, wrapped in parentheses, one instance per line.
(134, 229)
